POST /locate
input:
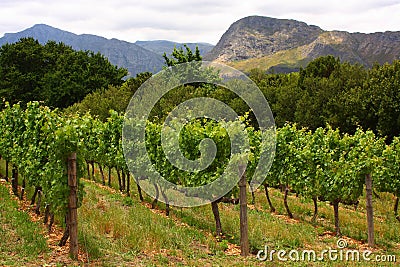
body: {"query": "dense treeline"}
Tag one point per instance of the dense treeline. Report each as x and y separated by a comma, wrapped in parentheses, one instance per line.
(343, 95)
(116, 98)
(53, 73)
(327, 91)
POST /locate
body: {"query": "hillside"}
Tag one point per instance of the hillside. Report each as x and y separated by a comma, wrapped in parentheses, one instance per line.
(116, 230)
(285, 45)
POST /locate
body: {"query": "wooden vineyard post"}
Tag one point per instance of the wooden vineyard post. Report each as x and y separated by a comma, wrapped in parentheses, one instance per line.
(370, 210)
(14, 180)
(7, 170)
(72, 207)
(244, 238)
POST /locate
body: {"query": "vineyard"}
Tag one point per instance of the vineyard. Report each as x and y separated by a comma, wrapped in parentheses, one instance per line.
(322, 166)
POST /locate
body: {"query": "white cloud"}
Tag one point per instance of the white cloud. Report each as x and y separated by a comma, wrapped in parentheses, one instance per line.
(191, 21)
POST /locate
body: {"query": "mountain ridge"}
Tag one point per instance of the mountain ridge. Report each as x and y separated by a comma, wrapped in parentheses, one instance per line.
(257, 41)
(132, 56)
(121, 53)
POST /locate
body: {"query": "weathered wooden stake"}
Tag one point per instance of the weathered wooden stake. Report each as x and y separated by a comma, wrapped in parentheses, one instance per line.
(72, 207)
(7, 170)
(14, 180)
(335, 204)
(22, 189)
(109, 176)
(128, 184)
(39, 201)
(314, 218)
(370, 210)
(244, 237)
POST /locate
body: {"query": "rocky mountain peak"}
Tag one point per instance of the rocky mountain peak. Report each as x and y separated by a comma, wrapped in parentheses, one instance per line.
(265, 42)
(257, 36)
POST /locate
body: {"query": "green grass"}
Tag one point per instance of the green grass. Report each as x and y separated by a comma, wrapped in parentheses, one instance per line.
(186, 237)
(20, 238)
(289, 58)
(115, 229)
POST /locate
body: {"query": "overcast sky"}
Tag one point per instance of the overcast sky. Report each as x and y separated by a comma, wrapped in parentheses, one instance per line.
(191, 21)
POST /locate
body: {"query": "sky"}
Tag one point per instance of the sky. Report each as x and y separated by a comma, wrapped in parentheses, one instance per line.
(191, 21)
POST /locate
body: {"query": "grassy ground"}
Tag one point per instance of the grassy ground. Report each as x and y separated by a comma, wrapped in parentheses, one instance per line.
(115, 230)
(186, 237)
(20, 238)
(288, 58)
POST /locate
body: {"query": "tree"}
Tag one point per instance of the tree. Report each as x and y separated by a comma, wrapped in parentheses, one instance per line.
(22, 65)
(383, 93)
(133, 83)
(324, 86)
(100, 102)
(321, 67)
(180, 56)
(188, 74)
(116, 98)
(318, 90)
(374, 103)
(53, 73)
(77, 74)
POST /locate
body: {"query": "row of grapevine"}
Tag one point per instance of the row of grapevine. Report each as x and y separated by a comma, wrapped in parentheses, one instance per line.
(103, 145)
(37, 141)
(323, 164)
(326, 165)
(41, 145)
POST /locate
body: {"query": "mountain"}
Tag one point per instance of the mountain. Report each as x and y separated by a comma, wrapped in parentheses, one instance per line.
(121, 53)
(285, 45)
(136, 57)
(161, 46)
